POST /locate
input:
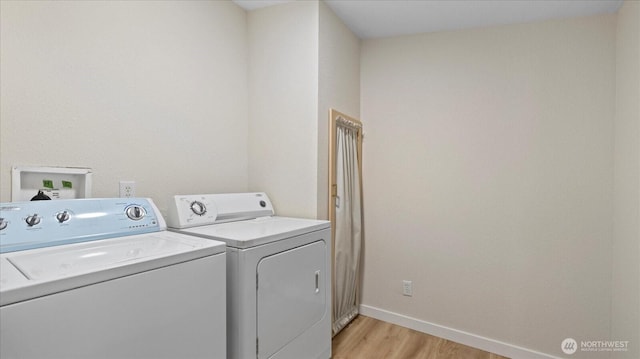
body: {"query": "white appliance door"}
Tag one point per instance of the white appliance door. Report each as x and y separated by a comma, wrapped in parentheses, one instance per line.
(291, 295)
(171, 312)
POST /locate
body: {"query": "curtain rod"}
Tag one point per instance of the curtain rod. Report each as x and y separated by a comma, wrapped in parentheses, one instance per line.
(348, 123)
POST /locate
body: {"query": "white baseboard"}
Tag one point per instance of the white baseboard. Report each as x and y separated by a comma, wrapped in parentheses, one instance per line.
(458, 336)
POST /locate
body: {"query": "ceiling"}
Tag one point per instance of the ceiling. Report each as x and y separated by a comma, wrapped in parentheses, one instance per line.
(384, 18)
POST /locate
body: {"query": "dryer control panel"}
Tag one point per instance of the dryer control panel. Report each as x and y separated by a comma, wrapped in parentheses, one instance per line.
(204, 209)
(28, 225)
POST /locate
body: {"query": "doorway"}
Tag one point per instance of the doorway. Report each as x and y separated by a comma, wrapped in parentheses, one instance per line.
(345, 213)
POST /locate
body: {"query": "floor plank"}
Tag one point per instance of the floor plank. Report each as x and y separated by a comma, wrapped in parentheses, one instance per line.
(368, 338)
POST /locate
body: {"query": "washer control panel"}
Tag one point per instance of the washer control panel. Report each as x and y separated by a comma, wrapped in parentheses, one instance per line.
(27, 225)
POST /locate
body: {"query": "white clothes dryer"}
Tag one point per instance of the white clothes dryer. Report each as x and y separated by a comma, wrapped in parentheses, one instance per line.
(102, 278)
(278, 273)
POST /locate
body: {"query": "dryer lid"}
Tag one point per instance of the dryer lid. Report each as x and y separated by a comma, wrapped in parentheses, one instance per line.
(258, 231)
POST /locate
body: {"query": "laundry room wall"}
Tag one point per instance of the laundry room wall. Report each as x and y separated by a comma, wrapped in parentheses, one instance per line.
(283, 105)
(303, 61)
(489, 180)
(154, 92)
(625, 323)
(338, 88)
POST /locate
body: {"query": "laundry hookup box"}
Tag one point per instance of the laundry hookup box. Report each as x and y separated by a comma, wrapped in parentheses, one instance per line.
(53, 182)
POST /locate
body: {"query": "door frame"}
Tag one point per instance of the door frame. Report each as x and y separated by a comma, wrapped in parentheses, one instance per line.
(334, 115)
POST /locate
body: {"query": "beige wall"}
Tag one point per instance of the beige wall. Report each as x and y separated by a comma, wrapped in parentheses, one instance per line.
(303, 61)
(283, 105)
(492, 167)
(151, 92)
(488, 179)
(182, 97)
(338, 87)
(626, 245)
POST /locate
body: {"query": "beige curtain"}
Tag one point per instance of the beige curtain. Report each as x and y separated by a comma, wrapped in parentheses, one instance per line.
(348, 225)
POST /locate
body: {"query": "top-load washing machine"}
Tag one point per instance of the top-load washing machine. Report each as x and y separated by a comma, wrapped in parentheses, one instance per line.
(102, 278)
(278, 273)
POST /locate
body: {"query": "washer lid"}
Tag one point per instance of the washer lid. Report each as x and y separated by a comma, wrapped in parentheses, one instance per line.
(258, 231)
(38, 272)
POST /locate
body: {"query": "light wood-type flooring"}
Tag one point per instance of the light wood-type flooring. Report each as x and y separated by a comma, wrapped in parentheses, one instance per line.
(368, 338)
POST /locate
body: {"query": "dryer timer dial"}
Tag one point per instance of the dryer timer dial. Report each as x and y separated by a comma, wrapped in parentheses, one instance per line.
(198, 208)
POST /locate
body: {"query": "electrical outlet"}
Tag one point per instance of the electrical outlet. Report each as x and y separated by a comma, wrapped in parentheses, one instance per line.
(127, 189)
(407, 288)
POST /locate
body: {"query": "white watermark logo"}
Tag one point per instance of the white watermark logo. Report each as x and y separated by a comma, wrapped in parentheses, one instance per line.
(570, 346)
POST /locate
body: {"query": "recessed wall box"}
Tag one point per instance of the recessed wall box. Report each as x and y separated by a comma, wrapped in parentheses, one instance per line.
(55, 182)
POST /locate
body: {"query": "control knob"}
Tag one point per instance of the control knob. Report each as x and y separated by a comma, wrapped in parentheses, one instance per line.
(135, 213)
(33, 220)
(62, 216)
(3, 223)
(198, 208)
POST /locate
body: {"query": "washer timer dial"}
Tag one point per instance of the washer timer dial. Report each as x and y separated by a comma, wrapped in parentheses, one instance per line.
(135, 212)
